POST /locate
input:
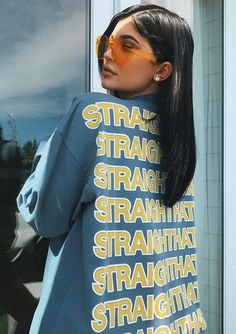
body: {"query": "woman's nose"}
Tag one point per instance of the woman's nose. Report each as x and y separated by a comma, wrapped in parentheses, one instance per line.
(108, 53)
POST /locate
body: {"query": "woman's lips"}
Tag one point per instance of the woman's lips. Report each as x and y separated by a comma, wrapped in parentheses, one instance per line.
(106, 70)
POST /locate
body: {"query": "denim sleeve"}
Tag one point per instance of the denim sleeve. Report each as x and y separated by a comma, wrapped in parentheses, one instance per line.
(52, 192)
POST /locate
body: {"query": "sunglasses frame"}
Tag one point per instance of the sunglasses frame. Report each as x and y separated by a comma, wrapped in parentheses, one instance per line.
(111, 40)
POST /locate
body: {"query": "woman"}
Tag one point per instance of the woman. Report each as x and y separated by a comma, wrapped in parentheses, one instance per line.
(112, 189)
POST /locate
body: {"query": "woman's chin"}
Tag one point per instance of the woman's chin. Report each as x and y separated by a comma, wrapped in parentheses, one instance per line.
(105, 85)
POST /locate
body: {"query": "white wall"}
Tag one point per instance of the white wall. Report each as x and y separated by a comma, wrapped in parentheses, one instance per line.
(181, 7)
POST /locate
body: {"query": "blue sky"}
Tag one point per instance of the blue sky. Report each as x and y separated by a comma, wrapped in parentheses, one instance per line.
(42, 63)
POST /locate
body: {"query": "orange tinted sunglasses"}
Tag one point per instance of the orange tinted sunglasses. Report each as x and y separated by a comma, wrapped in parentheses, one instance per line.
(122, 50)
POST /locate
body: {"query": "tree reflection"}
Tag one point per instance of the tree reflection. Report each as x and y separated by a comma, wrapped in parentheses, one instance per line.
(28, 151)
(15, 163)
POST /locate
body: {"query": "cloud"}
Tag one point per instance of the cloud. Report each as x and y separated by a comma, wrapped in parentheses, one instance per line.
(52, 56)
(34, 106)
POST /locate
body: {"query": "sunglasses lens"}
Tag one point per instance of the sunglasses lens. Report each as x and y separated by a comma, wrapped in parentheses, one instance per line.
(119, 53)
(101, 46)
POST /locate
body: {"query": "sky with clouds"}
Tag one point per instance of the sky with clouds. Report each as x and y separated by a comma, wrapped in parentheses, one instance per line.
(42, 61)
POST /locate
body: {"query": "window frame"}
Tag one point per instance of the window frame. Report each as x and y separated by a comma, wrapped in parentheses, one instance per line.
(229, 89)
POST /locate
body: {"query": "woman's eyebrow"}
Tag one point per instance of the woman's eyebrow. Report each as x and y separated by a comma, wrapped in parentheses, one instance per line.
(129, 37)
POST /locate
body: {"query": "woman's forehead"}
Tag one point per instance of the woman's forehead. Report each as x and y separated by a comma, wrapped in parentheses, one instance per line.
(127, 27)
(124, 27)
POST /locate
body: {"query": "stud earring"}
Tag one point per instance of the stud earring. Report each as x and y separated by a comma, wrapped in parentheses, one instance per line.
(157, 78)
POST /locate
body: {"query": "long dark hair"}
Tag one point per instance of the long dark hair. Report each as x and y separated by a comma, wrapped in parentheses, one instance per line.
(171, 40)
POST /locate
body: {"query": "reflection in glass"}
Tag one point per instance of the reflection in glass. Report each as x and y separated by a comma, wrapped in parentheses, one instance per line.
(209, 129)
(43, 64)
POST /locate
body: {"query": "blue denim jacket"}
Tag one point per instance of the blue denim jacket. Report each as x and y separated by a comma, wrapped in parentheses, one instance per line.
(119, 261)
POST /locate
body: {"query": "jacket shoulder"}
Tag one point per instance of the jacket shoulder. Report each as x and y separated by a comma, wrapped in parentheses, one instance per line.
(92, 98)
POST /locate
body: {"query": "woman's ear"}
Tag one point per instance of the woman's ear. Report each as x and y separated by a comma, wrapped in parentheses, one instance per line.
(163, 71)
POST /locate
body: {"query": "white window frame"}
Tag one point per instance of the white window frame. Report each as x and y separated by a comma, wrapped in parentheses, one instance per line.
(229, 167)
(101, 13)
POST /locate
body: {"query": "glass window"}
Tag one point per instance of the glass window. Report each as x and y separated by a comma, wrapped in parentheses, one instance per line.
(44, 63)
(208, 78)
